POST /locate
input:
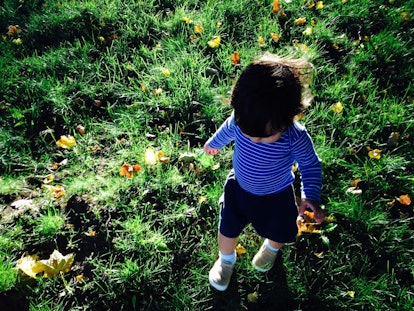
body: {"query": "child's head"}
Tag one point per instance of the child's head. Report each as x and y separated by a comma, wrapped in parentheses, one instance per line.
(269, 93)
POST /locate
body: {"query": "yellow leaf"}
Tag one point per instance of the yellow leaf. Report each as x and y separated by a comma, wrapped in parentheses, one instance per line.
(261, 42)
(308, 31)
(275, 36)
(215, 42)
(351, 293)
(300, 21)
(26, 264)
(319, 5)
(240, 250)
(253, 297)
(91, 233)
(150, 157)
(375, 154)
(66, 142)
(158, 91)
(198, 28)
(338, 107)
(187, 20)
(202, 199)
(166, 72)
(79, 278)
(57, 263)
(319, 255)
(58, 191)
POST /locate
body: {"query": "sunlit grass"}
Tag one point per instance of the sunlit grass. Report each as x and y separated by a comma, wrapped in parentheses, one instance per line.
(141, 74)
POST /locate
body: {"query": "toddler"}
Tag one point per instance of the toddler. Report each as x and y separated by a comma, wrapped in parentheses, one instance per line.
(269, 93)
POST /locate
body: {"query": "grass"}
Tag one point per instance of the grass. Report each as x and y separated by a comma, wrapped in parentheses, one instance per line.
(135, 75)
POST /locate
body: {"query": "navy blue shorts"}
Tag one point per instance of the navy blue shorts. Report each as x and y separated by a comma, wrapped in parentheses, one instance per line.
(273, 216)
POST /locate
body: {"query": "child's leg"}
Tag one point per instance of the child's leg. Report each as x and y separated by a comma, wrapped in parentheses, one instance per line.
(265, 258)
(226, 245)
(275, 245)
(222, 270)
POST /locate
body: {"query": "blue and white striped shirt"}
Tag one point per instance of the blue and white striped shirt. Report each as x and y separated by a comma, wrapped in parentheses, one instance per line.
(262, 168)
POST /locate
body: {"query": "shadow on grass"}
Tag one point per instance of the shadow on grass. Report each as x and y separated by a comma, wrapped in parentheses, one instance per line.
(272, 289)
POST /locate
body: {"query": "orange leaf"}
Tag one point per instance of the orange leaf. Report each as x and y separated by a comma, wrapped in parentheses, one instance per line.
(276, 6)
(404, 199)
(129, 170)
(235, 58)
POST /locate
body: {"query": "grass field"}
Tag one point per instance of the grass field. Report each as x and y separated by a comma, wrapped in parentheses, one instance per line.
(104, 108)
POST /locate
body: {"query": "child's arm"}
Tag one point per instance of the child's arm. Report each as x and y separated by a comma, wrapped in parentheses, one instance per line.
(210, 151)
(223, 136)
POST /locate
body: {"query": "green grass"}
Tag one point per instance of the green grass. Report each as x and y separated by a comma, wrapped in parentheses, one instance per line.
(135, 75)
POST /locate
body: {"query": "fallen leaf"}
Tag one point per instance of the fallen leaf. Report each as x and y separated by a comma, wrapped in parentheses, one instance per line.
(56, 264)
(308, 31)
(275, 36)
(319, 5)
(150, 157)
(240, 250)
(375, 154)
(261, 41)
(351, 293)
(80, 129)
(129, 170)
(235, 58)
(66, 142)
(202, 199)
(27, 263)
(198, 29)
(253, 297)
(187, 20)
(58, 191)
(300, 21)
(276, 6)
(338, 107)
(319, 255)
(215, 42)
(404, 199)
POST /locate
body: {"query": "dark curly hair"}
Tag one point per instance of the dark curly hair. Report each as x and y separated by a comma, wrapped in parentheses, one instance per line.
(269, 93)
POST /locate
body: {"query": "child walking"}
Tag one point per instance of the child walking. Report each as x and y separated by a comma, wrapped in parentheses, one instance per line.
(269, 93)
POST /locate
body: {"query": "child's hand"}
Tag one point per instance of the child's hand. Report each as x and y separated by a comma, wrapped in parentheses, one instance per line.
(210, 151)
(319, 213)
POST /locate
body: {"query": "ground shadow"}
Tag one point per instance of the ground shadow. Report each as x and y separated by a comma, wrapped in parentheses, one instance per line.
(272, 292)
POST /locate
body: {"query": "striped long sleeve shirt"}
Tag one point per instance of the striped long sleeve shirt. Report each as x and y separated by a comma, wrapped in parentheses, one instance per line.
(262, 168)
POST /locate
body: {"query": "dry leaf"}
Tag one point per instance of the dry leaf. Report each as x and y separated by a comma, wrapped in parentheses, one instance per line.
(276, 6)
(404, 199)
(375, 154)
(129, 170)
(338, 107)
(150, 157)
(215, 42)
(66, 142)
(56, 264)
(235, 58)
(240, 250)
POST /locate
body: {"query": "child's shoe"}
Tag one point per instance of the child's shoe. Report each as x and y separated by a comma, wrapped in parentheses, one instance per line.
(220, 274)
(264, 259)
